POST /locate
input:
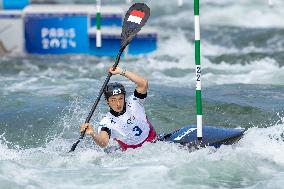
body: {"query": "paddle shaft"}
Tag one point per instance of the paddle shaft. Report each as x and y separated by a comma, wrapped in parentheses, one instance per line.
(104, 85)
(99, 97)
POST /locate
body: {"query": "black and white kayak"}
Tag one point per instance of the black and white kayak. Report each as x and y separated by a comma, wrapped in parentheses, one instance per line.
(212, 136)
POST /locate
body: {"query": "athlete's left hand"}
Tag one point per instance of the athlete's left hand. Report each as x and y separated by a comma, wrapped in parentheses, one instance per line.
(88, 128)
(117, 70)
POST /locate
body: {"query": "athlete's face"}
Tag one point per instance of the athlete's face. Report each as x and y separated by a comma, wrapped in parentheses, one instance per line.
(116, 102)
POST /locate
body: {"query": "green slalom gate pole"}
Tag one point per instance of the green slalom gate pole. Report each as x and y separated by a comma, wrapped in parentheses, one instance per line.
(98, 23)
(198, 69)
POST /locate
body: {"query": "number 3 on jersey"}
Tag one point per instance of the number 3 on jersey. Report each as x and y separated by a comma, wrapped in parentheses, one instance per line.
(137, 130)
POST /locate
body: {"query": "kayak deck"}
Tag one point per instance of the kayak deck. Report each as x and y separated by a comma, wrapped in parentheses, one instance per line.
(212, 136)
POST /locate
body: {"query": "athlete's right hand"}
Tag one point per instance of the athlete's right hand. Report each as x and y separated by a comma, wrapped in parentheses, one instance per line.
(88, 127)
(117, 70)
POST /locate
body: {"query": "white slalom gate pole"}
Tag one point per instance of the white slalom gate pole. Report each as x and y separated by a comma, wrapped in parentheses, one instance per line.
(270, 3)
(98, 23)
(198, 70)
(180, 3)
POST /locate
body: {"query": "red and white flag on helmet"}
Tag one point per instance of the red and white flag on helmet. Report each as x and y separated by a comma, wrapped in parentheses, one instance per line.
(136, 16)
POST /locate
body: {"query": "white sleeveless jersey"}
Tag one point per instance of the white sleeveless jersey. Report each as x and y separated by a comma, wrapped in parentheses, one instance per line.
(132, 127)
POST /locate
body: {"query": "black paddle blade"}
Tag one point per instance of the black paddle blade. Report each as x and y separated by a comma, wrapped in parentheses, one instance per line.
(134, 20)
(74, 146)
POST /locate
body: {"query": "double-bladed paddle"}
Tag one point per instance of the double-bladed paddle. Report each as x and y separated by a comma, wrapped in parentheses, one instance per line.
(135, 18)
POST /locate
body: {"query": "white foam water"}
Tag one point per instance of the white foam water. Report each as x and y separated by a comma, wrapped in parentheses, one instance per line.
(256, 161)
